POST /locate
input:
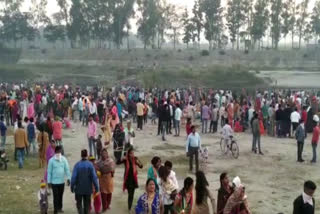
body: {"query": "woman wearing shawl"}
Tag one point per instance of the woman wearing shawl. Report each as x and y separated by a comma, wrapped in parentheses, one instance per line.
(153, 171)
(43, 143)
(106, 166)
(224, 192)
(130, 182)
(237, 202)
(114, 111)
(118, 141)
(184, 200)
(150, 202)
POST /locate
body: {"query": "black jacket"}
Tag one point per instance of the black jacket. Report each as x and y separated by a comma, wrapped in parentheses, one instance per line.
(299, 207)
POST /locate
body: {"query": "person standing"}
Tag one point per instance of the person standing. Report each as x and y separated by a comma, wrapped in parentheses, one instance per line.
(177, 119)
(31, 131)
(84, 177)
(214, 119)
(224, 192)
(3, 131)
(315, 140)
(57, 133)
(140, 108)
(106, 166)
(305, 203)
(184, 200)
(58, 169)
(92, 134)
(43, 143)
(205, 117)
(80, 108)
(192, 148)
(21, 143)
(130, 181)
(150, 202)
(256, 135)
(202, 195)
(295, 118)
(301, 135)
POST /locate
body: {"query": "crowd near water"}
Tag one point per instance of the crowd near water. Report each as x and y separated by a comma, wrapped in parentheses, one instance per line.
(39, 113)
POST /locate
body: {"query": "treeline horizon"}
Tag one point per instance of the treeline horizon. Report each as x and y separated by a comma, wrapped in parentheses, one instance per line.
(240, 22)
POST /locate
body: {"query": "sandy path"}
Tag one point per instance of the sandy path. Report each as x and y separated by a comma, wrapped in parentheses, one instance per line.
(272, 181)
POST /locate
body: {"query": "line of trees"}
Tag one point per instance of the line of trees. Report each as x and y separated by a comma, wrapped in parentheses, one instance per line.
(84, 23)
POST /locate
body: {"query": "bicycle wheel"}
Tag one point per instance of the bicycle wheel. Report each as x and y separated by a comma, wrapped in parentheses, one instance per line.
(223, 146)
(235, 149)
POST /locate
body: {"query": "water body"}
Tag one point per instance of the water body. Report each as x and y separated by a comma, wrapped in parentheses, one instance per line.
(292, 78)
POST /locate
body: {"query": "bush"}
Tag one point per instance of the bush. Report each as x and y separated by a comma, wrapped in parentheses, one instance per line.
(222, 52)
(205, 53)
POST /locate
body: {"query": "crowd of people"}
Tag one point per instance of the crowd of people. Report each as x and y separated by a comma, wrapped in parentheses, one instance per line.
(39, 113)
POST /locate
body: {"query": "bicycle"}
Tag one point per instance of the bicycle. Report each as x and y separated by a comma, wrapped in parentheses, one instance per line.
(233, 147)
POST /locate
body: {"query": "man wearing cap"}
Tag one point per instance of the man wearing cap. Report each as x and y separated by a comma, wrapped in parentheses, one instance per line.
(83, 178)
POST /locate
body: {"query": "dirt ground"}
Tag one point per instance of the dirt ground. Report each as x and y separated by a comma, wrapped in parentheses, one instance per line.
(272, 181)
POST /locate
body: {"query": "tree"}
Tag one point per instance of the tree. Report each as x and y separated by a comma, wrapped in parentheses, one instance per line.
(235, 17)
(213, 22)
(276, 10)
(174, 23)
(147, 23)
(197, 19)
(53, 33)
(188, 28)
(16, 26)
(260, 21)
(315, 20)
(303, 15)
(288, 17)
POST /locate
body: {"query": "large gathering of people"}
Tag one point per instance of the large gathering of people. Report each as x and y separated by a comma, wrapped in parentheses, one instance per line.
(39, 113)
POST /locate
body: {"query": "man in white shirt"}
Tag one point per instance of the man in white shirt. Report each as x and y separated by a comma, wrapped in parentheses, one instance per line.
(177, 118)
(93, 109)
(295, 118)
(250, 113)
(172, 175)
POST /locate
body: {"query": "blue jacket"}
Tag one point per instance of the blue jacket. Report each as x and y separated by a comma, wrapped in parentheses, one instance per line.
(58, 170)
(3, 129)
(83, 176)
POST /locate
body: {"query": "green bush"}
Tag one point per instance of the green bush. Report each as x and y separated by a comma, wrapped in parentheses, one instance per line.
(205, 53)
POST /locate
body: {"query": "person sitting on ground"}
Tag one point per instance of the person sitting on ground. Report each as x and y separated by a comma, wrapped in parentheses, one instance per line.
(224, 192)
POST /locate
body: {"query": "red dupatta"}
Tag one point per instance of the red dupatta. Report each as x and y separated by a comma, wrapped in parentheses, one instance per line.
(135, 172)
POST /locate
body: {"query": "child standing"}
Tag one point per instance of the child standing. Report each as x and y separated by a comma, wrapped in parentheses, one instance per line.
(43, 198)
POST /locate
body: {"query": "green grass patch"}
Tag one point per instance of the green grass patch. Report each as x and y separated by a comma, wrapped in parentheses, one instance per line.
(19, 187)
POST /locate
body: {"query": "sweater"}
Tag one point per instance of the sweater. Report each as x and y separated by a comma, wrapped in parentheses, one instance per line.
(58, 170)
(301, 134)
(20, 139)
(83, 176)
(299, 207)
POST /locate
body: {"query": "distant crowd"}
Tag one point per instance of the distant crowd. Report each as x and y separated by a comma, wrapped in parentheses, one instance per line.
(39, 113)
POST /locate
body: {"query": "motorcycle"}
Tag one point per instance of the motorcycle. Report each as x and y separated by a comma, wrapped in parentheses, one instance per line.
(3, 159)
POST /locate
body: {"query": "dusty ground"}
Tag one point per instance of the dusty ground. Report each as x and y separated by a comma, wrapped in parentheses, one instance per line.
(272, 181)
